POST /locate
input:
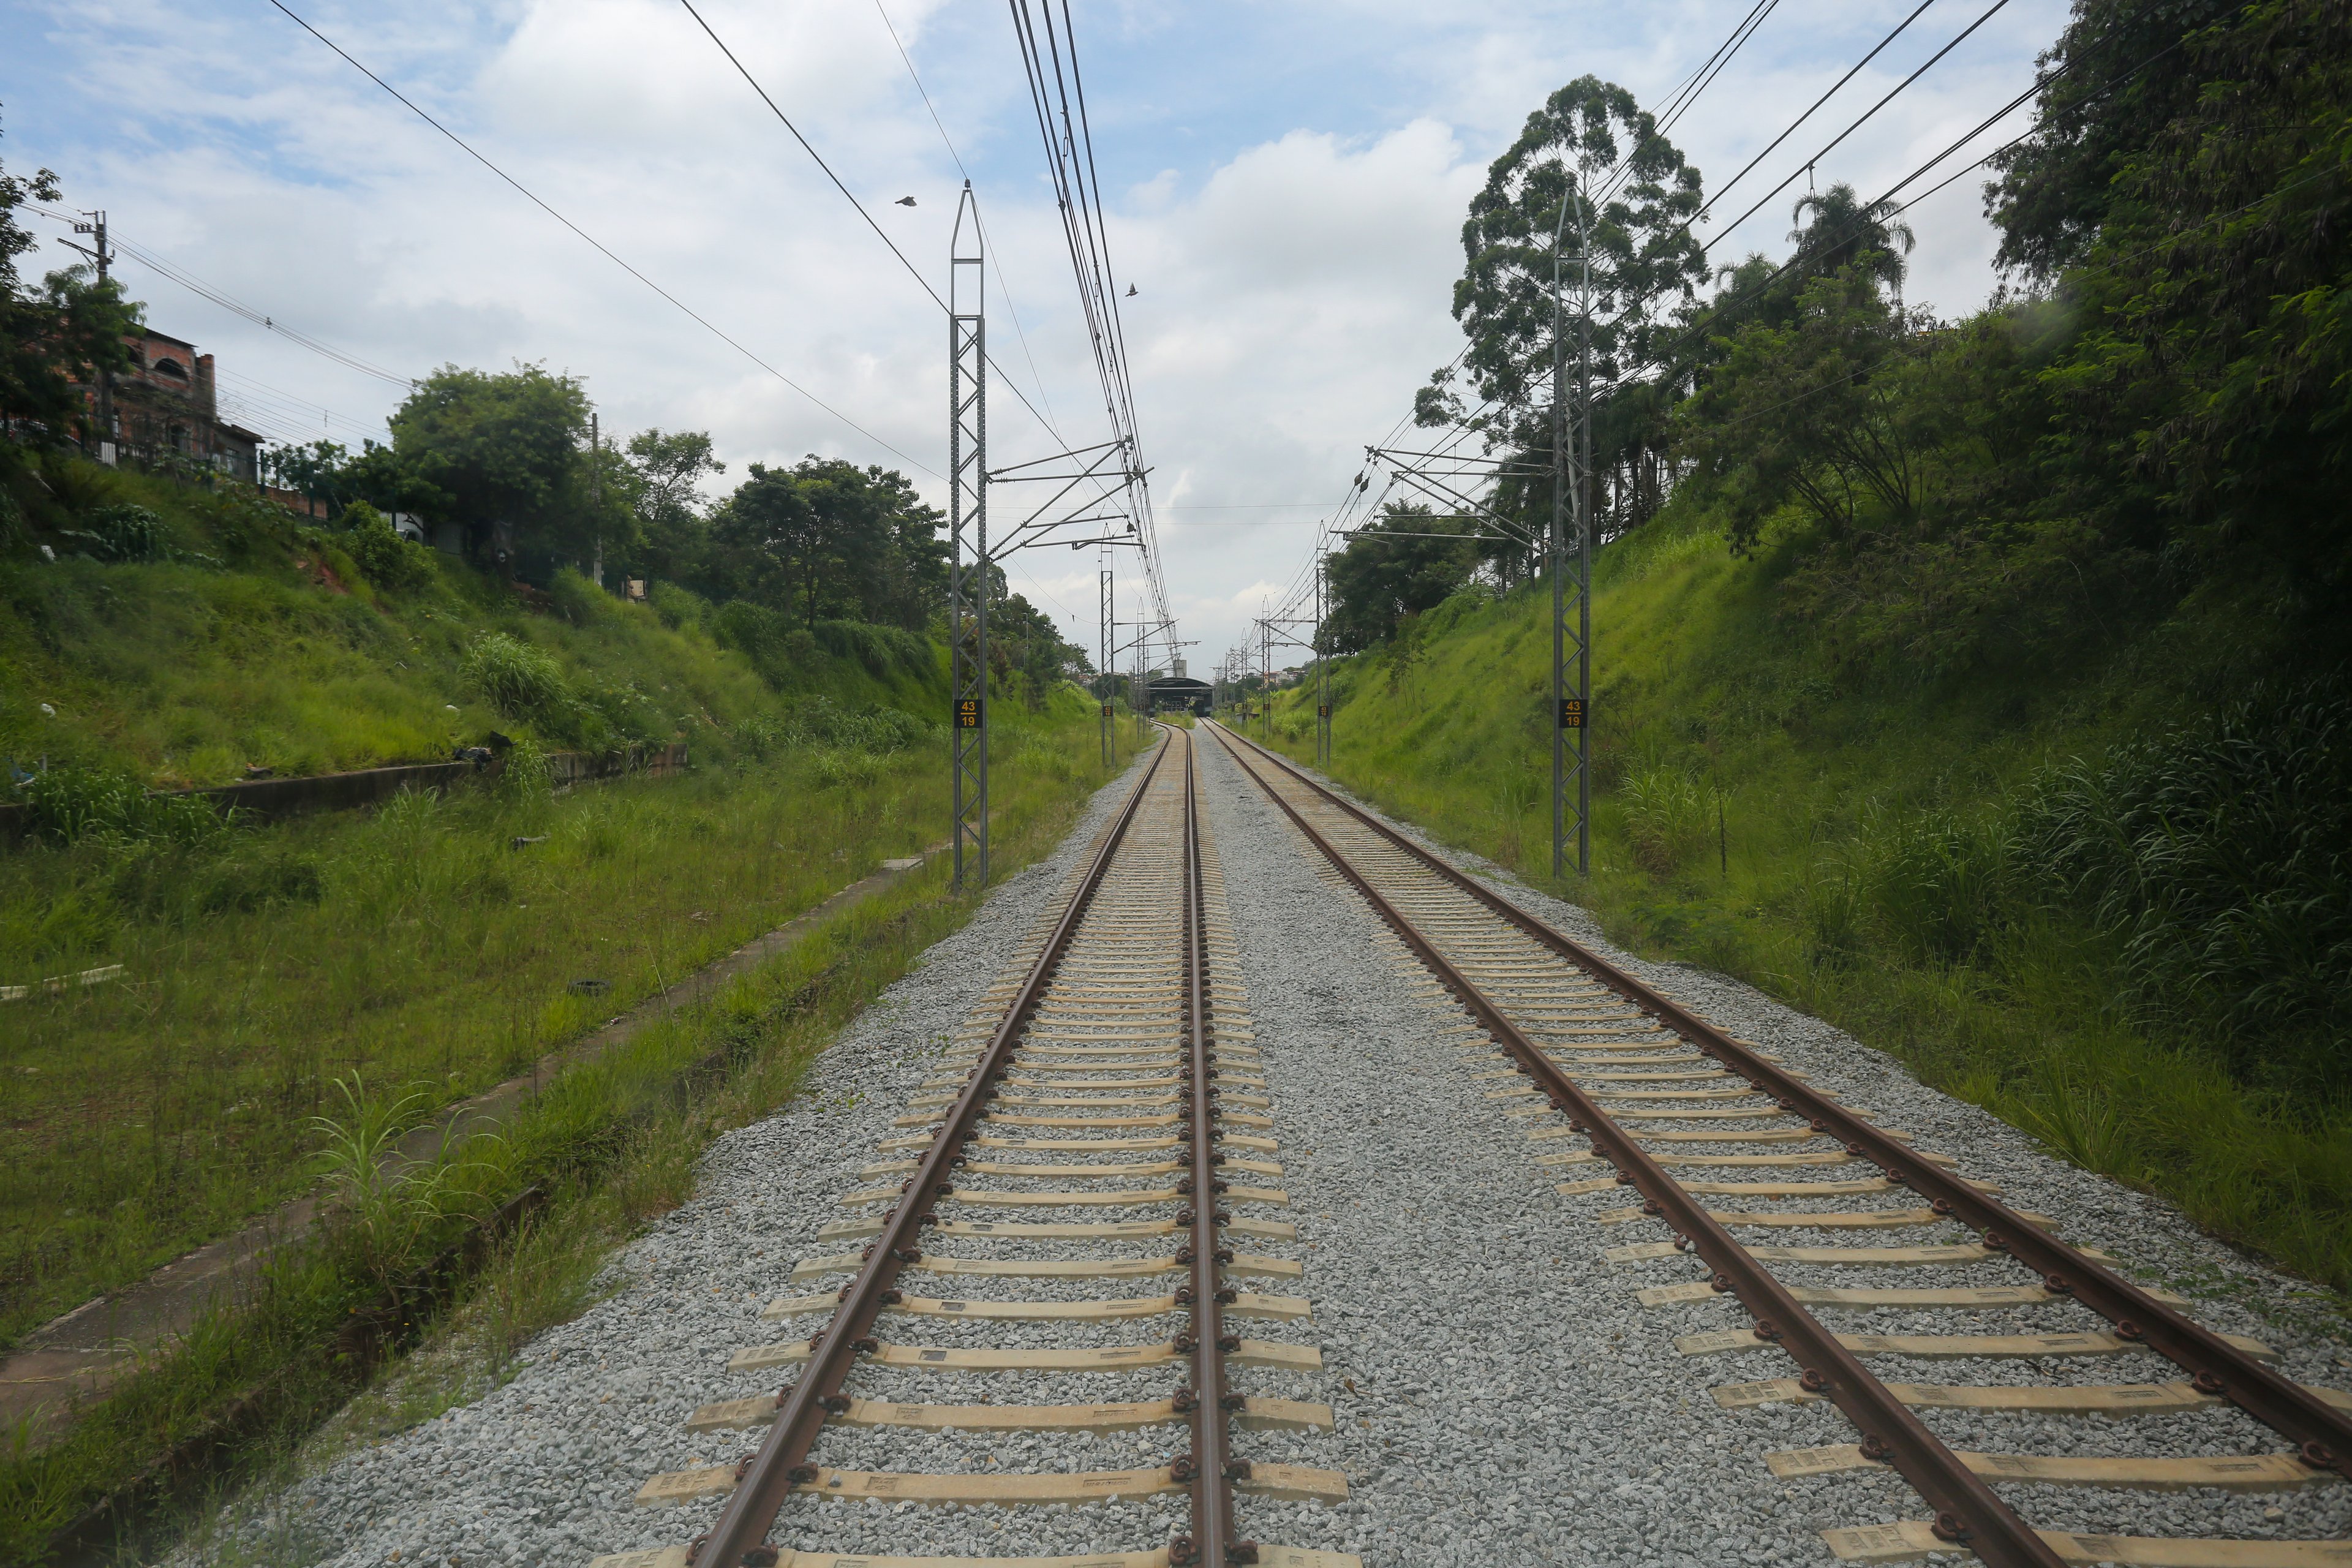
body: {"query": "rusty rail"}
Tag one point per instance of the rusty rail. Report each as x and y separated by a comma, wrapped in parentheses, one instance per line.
(1214, 1470)
(2216, 1367)
(1966, 1510)
(739, 1540)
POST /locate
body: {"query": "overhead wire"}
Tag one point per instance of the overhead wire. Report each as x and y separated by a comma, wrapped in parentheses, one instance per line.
(1057, 96)
(912, 271)
(197, 286)
(988, 246)
(1989, 12)
(603, 250)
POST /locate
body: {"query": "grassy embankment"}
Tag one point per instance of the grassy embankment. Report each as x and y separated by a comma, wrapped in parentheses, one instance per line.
(610, 1144)
(415, 946)
(1980, 874)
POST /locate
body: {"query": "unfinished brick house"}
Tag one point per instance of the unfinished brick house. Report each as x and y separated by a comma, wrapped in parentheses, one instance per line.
(165, 403)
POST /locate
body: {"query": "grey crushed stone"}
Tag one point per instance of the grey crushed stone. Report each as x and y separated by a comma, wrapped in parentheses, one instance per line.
(1501, 1398)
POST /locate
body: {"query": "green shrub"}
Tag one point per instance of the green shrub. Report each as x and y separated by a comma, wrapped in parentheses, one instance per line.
(878, 732)
(1936, 883)
(260, 880)
(835, 768)
(677, 606)
(2222, 856)
(519, 680)
(577, 599)
(525, 777)
(384, 557)
(1667, 816)
(66, 803)
(755, 631)
(78, 923)
(123, 533)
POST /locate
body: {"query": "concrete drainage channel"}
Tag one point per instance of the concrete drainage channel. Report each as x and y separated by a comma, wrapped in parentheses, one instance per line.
(1457, 1333)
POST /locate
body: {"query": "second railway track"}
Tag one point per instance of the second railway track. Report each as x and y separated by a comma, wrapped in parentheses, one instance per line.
(1698, 1148)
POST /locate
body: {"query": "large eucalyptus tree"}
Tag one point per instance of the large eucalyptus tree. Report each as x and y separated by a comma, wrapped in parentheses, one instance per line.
(1626, 249)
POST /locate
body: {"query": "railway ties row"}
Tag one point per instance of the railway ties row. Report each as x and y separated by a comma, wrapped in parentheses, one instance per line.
(1749, 1172)
(1075, 1089)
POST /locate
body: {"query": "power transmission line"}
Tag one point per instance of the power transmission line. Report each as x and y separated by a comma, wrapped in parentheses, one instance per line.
(695, 316)
(1798, 123)
(987, 246)
(1057, 95)
(921, 281)
(1990, 13)
(197, 286)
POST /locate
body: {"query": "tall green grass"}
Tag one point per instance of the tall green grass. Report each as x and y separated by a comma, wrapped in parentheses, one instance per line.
(2120, 927)
(417, 945)
(610, 1144)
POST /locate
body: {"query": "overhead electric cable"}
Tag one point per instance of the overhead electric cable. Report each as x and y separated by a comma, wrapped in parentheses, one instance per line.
(1057, 97)
(1990, 11)
(528, 195)
(2109, 86)
(197, 286)
(1798, 123)
(850, 196)
(988, 247)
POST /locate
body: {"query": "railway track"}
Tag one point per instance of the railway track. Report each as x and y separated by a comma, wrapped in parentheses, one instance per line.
(1718, 1155)
(1084, 1202)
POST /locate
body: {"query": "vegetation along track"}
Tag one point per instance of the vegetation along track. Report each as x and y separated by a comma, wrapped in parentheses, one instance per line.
(1115, 1074)
(1623, 1080)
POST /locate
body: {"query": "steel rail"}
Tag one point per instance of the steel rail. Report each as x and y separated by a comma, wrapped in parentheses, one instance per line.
(739, 1540)
(1968, 1511)
(2216, 1368)
(1214, 1470)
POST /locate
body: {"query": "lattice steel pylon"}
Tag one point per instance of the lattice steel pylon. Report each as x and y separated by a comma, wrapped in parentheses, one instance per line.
(968, 543)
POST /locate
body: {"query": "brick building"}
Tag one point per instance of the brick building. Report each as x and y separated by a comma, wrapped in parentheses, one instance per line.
(165, 403)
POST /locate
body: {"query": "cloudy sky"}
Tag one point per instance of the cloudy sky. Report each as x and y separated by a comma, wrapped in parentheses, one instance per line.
(1285, 185)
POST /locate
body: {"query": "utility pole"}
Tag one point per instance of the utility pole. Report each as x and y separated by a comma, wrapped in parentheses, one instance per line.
(1265, 681)
(1138, 691)
(967, 575)
(596, 493)
(1322, 673)
(1106, 677)
(1571, 651)
(93, 223)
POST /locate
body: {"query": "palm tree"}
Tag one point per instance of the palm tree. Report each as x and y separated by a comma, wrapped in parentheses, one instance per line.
(1845, 231)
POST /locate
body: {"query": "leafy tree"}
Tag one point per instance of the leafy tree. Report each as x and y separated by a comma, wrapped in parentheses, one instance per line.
(1403, 563)
(1846, 232)
(55, 337)
(1630, 198)
(1809, 413)
(1025, 644)
(664, 473)
(503, 449)
(828, 538)
(2121, 75)
(2192, 220)
(315, 469)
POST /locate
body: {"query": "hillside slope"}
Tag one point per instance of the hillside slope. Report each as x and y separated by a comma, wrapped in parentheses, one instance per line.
(187, 634)
(1992, 873)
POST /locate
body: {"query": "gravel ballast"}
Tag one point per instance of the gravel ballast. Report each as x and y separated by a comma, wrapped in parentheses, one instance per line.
(1512, 1403)
(1501, 1397)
